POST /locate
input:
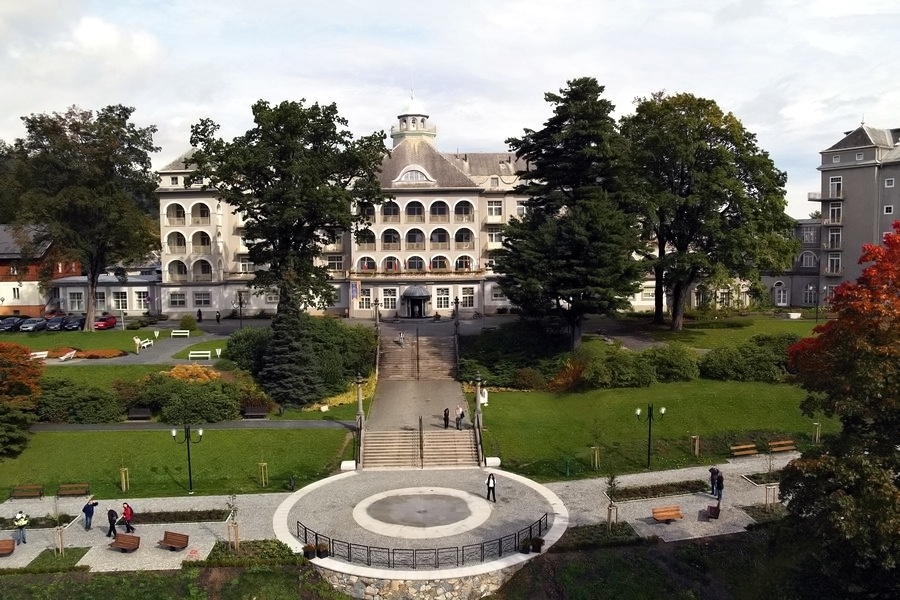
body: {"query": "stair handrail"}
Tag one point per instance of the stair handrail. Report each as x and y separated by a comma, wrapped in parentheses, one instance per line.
(417, 352)
(479, 439)
(456, 350)
(359, 442)
(421, 444)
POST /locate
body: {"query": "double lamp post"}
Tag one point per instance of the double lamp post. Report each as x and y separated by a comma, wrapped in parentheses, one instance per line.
(649, 417)
(188, 441)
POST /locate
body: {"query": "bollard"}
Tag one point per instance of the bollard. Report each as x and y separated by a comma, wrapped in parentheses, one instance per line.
(817, 435)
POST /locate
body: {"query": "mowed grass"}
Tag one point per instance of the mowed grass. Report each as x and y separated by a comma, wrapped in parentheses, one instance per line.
(81, 340)
(548, 436)
(695, 336)
(225, 462)
(100, 375)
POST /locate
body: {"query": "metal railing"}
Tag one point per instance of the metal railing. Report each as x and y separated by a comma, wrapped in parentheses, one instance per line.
(424, 558)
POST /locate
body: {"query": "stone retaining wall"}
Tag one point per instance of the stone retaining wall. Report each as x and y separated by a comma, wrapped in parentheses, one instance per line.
(459, 588)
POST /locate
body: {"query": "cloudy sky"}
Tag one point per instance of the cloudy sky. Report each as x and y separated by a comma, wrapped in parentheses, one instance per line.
(798, 73)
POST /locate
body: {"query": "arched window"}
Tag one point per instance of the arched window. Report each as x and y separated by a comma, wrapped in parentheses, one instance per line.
(439, 263)
(808, 260)
(415, 212)
(177, 271)
(176, 243)
(440, 239)
(367, 211)
(464, 239)
(463, 263)
(175, 214)
(390, 212)
(202, 271)
(391, 264)
(440, 212)
(201, 243)
(200, 214)
(413, 175)
(464, 212)
(366, 263)
(415, 239)
(365, 240)
(390, 240)
(415, 263)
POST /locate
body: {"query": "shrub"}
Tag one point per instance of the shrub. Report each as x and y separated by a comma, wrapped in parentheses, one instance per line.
(529, 379)
(762, 358)
(673, 362)
(247, 348)
(64, 401)
(205, 402)
(612, 366)
(188, 322)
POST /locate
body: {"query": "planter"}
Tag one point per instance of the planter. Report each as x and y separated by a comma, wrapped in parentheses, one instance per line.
(322, 550)
(537, 544)
(309, 551)
(525, 546)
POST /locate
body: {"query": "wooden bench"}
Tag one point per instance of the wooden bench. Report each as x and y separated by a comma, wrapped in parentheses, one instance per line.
(180, 333)
(782, 446)
(7, 547)
(126, 542)
(73, 489)
(744, 450)
(174, 541)
(28, 490)
(146, 343)
(667, 513)
(200, 355)
(68, 356)
(42, 355)
(140, 413)
(256, 412)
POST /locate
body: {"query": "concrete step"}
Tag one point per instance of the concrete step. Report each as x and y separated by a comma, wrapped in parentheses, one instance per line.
(400, 449)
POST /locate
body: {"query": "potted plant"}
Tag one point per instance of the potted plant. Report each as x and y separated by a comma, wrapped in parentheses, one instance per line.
(309, 551)
(322, 549)
(525, 545)
(536, 544)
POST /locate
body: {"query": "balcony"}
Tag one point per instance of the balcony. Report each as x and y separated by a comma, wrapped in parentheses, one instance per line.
(201, 248)
(440, 218)
(178, 277)
(390, 218)
(440, 245)
(203, 277)
(177, 250)
(832, 246)
(390, 245)
(415, 245)
(366, 246)
(833, 221)
(415, 218)
(834, 272)
(465, 245)
(199, 220)
(174, 221)
(464, 218)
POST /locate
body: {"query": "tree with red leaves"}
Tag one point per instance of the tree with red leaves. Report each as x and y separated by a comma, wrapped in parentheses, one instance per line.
(19, 391)
(848, 490)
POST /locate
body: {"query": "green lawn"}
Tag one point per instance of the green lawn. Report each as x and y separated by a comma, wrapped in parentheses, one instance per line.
(82, 340)
(697, 337)
(99, 374)
(548, 436)
(225, 462)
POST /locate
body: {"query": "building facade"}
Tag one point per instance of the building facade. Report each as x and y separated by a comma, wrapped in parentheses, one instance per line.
(858, 201)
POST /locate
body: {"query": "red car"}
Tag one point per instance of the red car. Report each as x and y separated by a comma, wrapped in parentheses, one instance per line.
(105, 322)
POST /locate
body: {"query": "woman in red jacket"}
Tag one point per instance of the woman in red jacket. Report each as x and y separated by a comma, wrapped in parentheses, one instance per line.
(127, 515)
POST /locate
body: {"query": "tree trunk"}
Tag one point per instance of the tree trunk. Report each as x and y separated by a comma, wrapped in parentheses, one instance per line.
(659, 296)
(678, 300)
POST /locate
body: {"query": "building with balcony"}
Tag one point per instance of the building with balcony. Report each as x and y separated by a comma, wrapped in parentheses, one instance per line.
(857, 200)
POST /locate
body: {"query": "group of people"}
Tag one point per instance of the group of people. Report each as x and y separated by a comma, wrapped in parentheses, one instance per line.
(717, 482)
(111, 515)
(460, 415)
(200, 316)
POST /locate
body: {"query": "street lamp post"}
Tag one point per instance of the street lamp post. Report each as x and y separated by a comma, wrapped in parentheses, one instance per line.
(478, 400)
(812, 289)
(375, 306)
(649, 418)
(188, 442)
(239, 305)
(456, 315)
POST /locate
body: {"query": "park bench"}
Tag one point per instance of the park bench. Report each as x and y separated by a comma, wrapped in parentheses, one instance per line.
(27, 490)
(667, 513)
(7, 547)
(180, 333)
(140, 413)
(744, 450)
(73, 489)
(256, 412)
(175, 541)
(126, 542)
(68, 356)
(42, 355)
(782, 446)
(146, 343)
(200, 355)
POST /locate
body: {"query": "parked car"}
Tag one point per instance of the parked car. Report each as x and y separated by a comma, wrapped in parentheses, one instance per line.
(105, 322)
(74, 324)
(12, 323)
(35, 324)
(56, 323)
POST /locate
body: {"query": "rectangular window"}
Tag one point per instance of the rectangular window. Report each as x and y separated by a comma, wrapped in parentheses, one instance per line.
(120, 300)
(177, 299)
(335, 262)
(497, 293)
(648, 294)
(467, 297)
(808, 260)
(15, 293)
(834, 239)
(834, 264)
(836, 158)
(495, 208)
(889, 209)
(442, 297)
(173, 180)
(836, 187)
(202, 299)
(780, 296)
(76, 301)
(521, 209)
(246, 265)
(808, 235)
(271, 298)
(495, 234)
(100, 300)
(859, 156)
(142, 300)
(365, 298)
(389, 298)
(495, 182)
(809, 296)
(835, 213)
(889, 182)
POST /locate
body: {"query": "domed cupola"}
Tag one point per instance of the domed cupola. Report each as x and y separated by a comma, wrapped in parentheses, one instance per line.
(412, 122)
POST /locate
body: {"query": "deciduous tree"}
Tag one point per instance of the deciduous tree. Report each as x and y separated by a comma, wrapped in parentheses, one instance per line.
(708, 196)
(87, 187)
(19, 392)
(296, 177)
(849, 489)
(573, 252)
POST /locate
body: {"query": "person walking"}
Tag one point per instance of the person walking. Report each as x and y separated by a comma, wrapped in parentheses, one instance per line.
(199, 316)
(491, 484)
(713, 474)
(127, 516)
(218, 317)
(88, 511)
(401, 339)
(446, 418)
(460, 414)
(720, 485)
(112, 516)
(20, 521)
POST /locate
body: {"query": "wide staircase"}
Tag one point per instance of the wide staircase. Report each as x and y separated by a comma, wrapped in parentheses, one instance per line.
(423, 360)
